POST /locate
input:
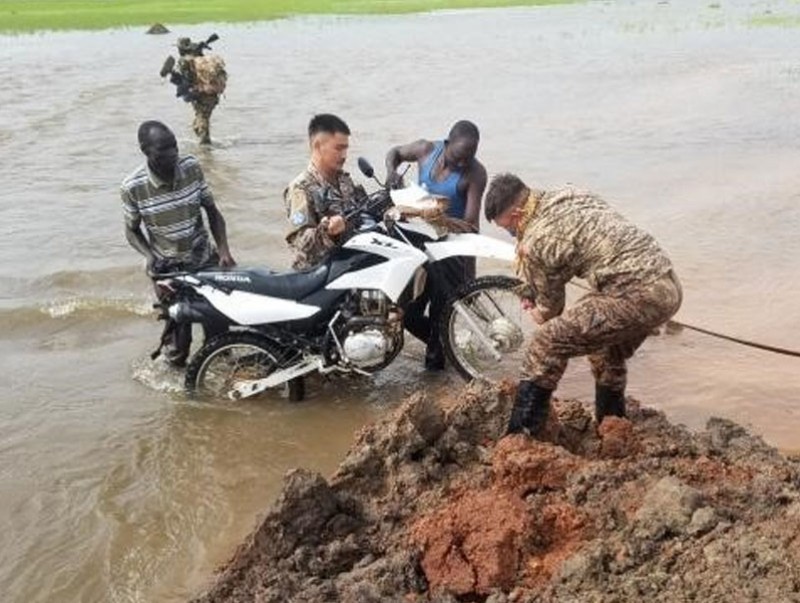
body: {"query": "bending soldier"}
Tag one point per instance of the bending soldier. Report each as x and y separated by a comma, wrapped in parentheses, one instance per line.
(569, 233)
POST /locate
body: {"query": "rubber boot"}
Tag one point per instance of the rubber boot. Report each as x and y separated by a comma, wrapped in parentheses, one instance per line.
(608, 402)
(531, 409)
(434, 353)
(181, 342)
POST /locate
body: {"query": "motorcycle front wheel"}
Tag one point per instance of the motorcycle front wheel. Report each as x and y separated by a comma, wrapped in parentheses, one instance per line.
(232, 359)
(486, 330)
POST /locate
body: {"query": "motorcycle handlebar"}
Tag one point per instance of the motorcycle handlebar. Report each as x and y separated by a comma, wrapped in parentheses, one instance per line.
(374, 205)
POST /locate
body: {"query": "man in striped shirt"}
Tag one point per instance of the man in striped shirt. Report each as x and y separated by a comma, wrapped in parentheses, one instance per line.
(162, 201)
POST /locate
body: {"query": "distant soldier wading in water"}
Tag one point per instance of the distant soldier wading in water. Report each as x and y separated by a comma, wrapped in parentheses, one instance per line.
(200, 79)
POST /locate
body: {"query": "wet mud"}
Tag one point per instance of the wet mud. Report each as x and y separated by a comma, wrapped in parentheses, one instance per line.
(434, 504)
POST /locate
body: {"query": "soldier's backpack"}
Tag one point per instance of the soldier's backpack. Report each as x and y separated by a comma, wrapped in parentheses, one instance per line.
(210, 74)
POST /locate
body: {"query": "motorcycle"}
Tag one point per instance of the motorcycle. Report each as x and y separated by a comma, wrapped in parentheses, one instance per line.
(265, 330)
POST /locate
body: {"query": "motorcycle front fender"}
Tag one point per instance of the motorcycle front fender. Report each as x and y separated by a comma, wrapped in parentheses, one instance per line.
(470, 245)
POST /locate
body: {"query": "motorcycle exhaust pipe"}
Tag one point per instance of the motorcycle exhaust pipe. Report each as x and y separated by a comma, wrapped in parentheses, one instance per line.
(188, 312)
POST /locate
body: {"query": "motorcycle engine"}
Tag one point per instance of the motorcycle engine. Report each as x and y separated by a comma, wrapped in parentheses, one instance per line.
(373, 333)
(365, 348)
(369, 336)
(372, 303)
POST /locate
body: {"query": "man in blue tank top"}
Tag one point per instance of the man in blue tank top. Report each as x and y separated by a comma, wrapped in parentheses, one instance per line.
(447, 168)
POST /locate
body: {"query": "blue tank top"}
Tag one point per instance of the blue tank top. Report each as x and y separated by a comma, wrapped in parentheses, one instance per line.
(447, 187)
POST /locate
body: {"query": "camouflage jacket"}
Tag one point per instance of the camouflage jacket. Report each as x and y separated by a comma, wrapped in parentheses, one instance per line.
(206, 75)
(308, 199)
(573, 233)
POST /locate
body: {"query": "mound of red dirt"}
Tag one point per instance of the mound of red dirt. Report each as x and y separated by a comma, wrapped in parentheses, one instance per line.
(433, 504)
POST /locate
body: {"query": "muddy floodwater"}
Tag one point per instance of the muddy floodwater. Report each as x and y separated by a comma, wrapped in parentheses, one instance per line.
(113, 487)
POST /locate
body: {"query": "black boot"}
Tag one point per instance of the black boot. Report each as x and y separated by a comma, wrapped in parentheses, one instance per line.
(607, 402)
(434, 356)
(531, 409)
(181, 342)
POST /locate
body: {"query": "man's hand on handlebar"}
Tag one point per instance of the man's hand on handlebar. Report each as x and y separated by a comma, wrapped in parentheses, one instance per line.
(334, 225)
(394, 180)
(156, 266)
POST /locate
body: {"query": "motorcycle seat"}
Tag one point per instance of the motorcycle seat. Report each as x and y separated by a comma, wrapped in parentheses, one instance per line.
(285, 285)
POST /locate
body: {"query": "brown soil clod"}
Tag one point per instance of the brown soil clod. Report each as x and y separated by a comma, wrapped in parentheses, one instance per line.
(434, 504)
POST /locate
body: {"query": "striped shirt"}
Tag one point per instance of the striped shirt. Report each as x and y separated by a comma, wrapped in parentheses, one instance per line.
(170, 212)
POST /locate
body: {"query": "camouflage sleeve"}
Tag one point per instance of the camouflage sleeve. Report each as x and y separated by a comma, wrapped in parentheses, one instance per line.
(546, 269)
(307, 239)
(549, 288)
(359, 193)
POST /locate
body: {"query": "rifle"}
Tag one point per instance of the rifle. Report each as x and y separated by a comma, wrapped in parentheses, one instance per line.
(195, 49)
(207, 44)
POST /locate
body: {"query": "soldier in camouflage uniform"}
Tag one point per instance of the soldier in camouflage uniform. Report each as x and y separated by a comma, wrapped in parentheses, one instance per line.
(320, 196)
(200, 79)
(203, 106)
(568, 233)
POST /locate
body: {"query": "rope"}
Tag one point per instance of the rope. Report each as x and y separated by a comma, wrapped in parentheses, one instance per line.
(745, 342)
(752, 344)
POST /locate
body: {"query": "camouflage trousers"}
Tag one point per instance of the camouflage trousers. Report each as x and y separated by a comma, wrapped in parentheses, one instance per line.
(607, 327)
(203, 106)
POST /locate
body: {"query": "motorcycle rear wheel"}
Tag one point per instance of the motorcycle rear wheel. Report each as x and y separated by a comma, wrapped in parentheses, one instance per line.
(485, 330)
(233, 357)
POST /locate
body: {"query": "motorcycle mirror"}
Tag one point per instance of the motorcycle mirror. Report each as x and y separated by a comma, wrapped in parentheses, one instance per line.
(365, 167)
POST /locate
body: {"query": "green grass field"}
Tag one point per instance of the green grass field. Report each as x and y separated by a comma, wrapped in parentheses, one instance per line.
(33, 15)
(773, 20)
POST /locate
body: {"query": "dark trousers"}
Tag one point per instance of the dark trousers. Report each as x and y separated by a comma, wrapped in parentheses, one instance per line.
(177, 337)
(443, 280)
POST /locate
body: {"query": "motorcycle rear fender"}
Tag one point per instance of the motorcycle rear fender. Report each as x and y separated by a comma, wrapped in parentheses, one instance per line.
(470, 245)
